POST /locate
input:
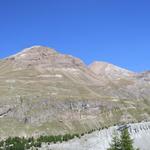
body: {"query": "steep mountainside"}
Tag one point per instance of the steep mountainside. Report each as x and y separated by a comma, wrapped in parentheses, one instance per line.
(45, 92)
(127, 84)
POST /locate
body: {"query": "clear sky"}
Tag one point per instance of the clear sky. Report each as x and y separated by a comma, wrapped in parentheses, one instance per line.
(116, 31)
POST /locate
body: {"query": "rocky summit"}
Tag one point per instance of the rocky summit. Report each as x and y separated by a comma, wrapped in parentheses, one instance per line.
(45, 92)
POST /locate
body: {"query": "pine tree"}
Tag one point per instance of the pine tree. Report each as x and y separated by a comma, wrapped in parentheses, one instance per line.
(122, 143)
(116, 144)
(126, 141)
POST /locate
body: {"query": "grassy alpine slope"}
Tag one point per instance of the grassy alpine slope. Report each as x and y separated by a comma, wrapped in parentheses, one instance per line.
(45, 92)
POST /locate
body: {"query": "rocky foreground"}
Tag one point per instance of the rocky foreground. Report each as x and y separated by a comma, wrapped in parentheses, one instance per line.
(99, 140)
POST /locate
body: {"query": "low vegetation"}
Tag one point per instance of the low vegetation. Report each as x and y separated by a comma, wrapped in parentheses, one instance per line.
(17, 143)
(22, 143)
(123, 142)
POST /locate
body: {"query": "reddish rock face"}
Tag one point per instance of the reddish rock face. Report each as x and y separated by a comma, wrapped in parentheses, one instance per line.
(45, 57)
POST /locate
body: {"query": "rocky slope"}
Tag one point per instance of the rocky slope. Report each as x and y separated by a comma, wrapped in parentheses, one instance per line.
(144, 76)
(45, 92)
(100, 140)
(109, 70)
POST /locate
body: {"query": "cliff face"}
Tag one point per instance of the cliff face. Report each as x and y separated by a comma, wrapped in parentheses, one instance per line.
(45, 92)
(100, 140)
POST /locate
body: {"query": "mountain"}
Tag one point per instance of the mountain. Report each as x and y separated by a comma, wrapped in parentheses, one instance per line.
(109, 70)
(46, 92)
(144, 76)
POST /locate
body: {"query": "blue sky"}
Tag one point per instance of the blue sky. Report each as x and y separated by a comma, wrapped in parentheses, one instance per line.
(116, 31)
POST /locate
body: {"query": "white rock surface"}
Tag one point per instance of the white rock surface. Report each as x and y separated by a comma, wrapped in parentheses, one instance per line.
(99, 140)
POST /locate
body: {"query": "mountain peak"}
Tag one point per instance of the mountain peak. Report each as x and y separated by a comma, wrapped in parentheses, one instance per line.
(104, 68)
(43, 57)
(34, 52)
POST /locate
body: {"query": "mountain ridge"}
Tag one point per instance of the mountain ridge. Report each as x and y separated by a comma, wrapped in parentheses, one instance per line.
(45, 92)
(53, 51)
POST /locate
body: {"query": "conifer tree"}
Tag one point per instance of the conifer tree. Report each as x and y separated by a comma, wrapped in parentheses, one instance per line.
(126, 141)
(116, 144)
(123, 143)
